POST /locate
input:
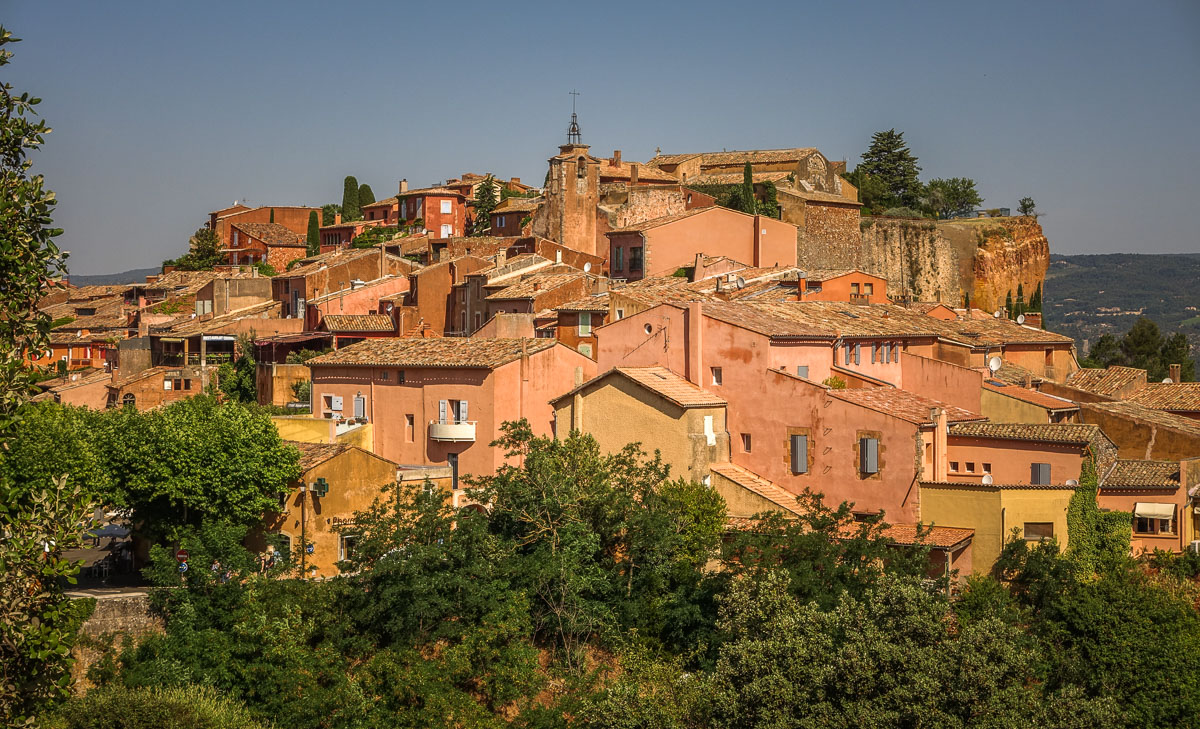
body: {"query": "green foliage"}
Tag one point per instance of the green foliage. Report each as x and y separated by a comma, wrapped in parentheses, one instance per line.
(203, 254)
(365, 195)
(180, 707)
(1144, 346)
(1035, 302)
(1097, 540)
(313, 239)
(265, 269)
(769, 205)
(485, 203)
(889, 162)
(902, 212)
(303, 355)
(329, 213)
(1026, 206)
(302, 391)
(351, 210)
(237, 379)
(954, 196)
(372, 237)
(1009, 307)
(834, 382)
(272, 220)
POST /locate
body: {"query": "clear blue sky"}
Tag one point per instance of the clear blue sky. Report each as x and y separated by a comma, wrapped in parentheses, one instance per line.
(163, 111)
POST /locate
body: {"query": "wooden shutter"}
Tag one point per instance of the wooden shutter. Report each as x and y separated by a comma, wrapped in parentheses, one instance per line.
(360, 407)
(799, 453)
(857, 353)
(868, 455)
(443, 406)
(462, 410)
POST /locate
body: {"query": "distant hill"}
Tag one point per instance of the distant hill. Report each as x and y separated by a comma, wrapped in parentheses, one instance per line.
(137, 275)
(1087, 296)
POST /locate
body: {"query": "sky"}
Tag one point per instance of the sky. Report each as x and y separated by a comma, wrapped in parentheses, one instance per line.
(164, 111)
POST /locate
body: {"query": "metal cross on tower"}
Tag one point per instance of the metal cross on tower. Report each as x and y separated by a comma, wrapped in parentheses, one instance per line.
(574, 135)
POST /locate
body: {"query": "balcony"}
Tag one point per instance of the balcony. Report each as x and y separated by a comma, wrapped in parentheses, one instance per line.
(452, 431)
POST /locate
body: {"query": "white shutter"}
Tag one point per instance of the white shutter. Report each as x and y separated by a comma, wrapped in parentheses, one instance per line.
(443, 406)
(462, 410)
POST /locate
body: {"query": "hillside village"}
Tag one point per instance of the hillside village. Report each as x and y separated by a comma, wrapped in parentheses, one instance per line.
(761, 356)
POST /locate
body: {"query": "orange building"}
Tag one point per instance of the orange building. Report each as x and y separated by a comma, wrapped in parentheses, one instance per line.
(1156, 493)
(294, 218)
(269, 243)
(1045, 454)
(442, 401)
(661, 246)
(851, 285)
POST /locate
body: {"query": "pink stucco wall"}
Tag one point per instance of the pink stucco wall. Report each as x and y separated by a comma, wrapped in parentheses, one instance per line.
(1010, 459)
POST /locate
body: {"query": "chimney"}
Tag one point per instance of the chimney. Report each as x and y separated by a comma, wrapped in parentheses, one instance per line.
(616, 160)
(403, 186)
(940, 433)
(633, 173)
(694, 339)
(537, 286)
(1028, 380)
(501, 257)
(515, 180)
(1175, 372)
(337, 219)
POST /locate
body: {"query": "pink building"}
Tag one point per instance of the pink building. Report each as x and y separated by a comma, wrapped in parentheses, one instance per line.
(661, 246)
(438, 401)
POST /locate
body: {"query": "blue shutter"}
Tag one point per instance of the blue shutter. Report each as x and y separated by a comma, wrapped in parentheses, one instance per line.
(802, 370)
(857, 353)
(868, 453)
(799, 454)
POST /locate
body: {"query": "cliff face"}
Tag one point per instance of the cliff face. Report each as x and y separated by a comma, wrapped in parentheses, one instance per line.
(942, 261)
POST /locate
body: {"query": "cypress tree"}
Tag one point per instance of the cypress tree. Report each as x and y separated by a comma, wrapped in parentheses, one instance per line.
(1035, 304)
(749, 204)
(272, 215)
(350, 207)
(314, 234)
(1008, 304)
(365, 196)
(1020, 299)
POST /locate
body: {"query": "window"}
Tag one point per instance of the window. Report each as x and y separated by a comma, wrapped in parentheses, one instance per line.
(868, 455)
(477, 322)
(1151, 525)
(447, 230)
(400, 376)
(854, 289)
(499, 221)
(409, 428)
(128, 400)
(360, 406)
(235, 238)
(987, 468)
(346, 544)
(953, 466)
(970, 467)
(620, 314)
(802, 370)
(446, 207)
(846, 349)
(166, 384)
(746, 442)
(585, 323)
(1038, 531)
(716, 375)
(1039, 473)
(857, 353)
(635, 259)
(868, 289)
(799, 453)
(874, 353)
(462, 410)
(618, 259)
(585, 350)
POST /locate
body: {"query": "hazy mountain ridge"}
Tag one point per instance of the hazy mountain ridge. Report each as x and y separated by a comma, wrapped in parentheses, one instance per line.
(136, 275)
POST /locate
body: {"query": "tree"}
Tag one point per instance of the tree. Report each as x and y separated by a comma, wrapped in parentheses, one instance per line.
(350, 206)
(872, 192)
(178, 707)
(203, 252)
(329, 213)
(365, 195)
(1026, 206)
(889, 161)
(1008, 305)
(485, 203)
(1142, 347)
(952, 197)
(1035, 303)
(1177, 350)
(272, 220)
(314, 234)
(237, 378)
(1020, 305)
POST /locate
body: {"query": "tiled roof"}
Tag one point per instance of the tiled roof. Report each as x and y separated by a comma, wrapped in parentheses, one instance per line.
(646, 172)
(720, 159)
(1176, 396)
(902, 404)
(1131, 474)
(1161, 418)
(1069, 433)
(358, 323)
(191, 326)
(517, 205)
(666, 220)
(1013, 374)
(754, 483)
(736, 178)
(595, 302)
(68, 336)
(312, 264)
(828, 319)
(828, 274)
(671, 386)
(272, 234)
(533, 285)
(416, 352)
(432, 191)
(314, 454)
(1033, 397)
(818, 196)
(1105, 382)
(998, 331)
(906, 535)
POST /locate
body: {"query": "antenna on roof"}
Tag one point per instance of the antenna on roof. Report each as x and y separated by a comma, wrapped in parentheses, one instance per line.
(994, 364)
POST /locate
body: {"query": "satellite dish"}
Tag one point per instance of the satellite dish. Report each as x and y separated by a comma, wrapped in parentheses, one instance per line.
(740, 283)
(987, 479)
(997, 313)
(587, 267)
(1071, 482)
(1167, 380)
(994, 364)
(1020, 318)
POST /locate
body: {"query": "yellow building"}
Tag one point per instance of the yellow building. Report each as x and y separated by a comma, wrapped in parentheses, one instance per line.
(993, 511)
(652, 406)
(1008, 403)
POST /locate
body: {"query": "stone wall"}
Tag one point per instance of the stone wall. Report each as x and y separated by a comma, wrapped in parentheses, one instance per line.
(116, 618)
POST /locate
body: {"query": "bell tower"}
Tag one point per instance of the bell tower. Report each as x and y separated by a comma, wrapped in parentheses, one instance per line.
(573, 192)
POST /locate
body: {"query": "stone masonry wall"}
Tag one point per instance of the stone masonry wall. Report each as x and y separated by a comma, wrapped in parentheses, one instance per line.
(117, 618)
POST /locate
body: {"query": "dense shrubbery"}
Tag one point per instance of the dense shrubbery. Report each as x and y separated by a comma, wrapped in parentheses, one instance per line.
(587, 596)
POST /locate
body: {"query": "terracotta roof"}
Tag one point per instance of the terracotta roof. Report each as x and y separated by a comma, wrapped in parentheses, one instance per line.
(1162, 418)
(1105, 382)
(818, 196)
(671, 386)
(1131, 474)
(272, 234)
(312, 264)
(902, 404)
(667, 220)
(1004, 486)
(191, 326)
(981, 332)
(68, 336)
(1033, 397)
(416, 352)
(1013, 374)
(827, 319)
(358, 323)
(439, 190)
(532, 285)
(720, 159)
(314, 454)
(828, 274)
(646, 172)
(942, 537)
(754, 483)
(517, 204)
(736, 178)
(595, 302)
(1175, 396)
(1069, 433)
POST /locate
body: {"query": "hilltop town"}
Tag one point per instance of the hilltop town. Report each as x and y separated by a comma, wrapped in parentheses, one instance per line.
(763, 355)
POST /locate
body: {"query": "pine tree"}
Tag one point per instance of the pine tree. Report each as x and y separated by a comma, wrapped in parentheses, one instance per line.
(1142, 347)
(484, 204)
(314, 234)
(889, 161)
(350, 207)
(272, 220)
(365, 195)
(1176, 350)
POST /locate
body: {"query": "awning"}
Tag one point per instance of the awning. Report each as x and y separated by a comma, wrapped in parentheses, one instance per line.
(1154, 511)
(173, 340)
(219, 338)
